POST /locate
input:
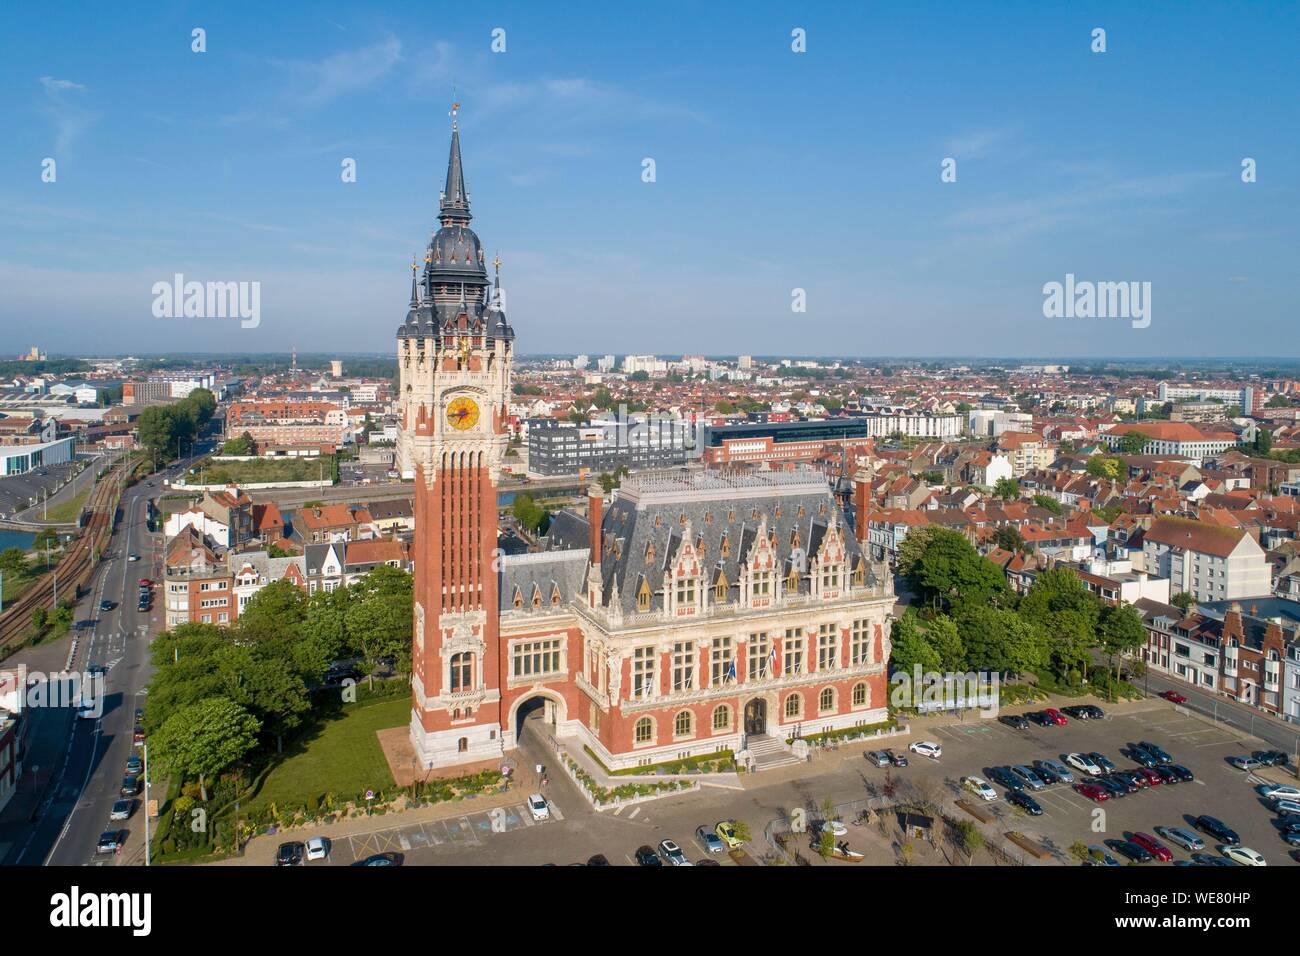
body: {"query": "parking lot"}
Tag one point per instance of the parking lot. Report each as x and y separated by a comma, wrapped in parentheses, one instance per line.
(20, 492)
(1219, 790)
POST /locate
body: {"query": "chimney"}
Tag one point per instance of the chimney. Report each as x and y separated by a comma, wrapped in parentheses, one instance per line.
(595, 514)
(861, 502)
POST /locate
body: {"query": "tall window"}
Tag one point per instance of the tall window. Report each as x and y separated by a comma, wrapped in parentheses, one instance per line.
(535, 657)
(683, 724)
(793, 705)
(826, 701)
(831, 576)
(685, 591)
(759, 656)
(722, 717)
(860, 642)
(793, 645)
(720, 661)
(645, 730)
(643, 672)
(760, 583)
(859, 695)
(684, 665)
(462, 672)
(827, 644)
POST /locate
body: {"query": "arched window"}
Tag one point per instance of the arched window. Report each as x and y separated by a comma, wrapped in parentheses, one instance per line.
(462, 671)
(462, 745)
(683, 724)
(722, 717)
(793, 705)
(859, 695)
(827, 699)
(645, 730)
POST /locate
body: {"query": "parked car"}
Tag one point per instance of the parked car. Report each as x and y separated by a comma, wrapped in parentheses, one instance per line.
(1077, 711)
(1094, 712)
(877, 758)
(1055, 767)
(318, 848)
(1242, 762)
(1182, 837)
(1217, 829)
(1040, 718)
(1055, 716)
(1141, 756)
(1131, 850)
(1152, 777)
(1084, 763)
(1243, 855)
(1102, 761)
(980, 787)
(1133, 779)
(388, 858)
(1046, 774)
(133, 557)
(1173, 697)
(646, 856)
(1291, 837)
(1122, 779)
(897, 759)
(1006, 778)
(1271, 758)
(708, 840)
(1018, 721)
(1018, 798)
(597, 860)
(290, 854)
(146, 583)
(134, 766)
(130, 786)
(1030, 779)
(672, 853)
(110, 841)
(1097, 856)
(122, 810)
(1155, 751)
(1209, 859)
(1092, 791)
(1278, 791)
(1181, 773)
(537, 807)
(926, 748)
(1153, 846)
(1113, 786)
(726, 831)
(1286, 807)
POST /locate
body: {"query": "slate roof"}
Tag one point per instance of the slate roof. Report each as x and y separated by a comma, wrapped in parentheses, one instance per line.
(555, 577)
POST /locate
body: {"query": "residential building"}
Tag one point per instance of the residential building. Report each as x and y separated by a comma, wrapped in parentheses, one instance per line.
(1209, 562)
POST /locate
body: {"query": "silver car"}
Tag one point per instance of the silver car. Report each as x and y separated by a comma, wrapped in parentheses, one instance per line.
(1182, 837)
(1031, 779)
(877, 758)
(1057, 768)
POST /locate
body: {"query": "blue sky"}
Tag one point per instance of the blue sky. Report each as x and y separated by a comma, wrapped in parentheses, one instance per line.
(775, 171)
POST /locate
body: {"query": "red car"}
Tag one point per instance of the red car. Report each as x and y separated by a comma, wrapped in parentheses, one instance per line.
(1174, 697)
(1056, 717)
(1092, 791)
(1152, 778)
(146, 583)
(1152, 846)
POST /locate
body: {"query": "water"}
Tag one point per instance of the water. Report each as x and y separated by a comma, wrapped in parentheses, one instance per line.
(16, 539)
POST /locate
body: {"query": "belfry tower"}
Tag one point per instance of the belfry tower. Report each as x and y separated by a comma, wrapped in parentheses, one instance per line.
(454, 356)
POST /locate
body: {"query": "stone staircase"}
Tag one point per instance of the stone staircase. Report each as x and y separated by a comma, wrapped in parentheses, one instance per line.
(768, 752)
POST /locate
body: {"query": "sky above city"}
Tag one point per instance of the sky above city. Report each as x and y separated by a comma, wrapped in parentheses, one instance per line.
(774, 171)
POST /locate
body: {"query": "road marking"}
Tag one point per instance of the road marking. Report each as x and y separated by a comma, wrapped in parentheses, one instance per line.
(633, 814)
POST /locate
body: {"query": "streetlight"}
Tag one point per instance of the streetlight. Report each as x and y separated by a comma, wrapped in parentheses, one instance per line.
(147, 852)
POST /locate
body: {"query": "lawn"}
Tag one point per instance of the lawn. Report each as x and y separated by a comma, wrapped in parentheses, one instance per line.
(66, 510)
(343, 757)
(257, 470)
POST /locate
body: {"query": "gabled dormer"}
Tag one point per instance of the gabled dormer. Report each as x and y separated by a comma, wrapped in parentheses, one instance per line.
(758, 575)
(830, 564)
(684, 579)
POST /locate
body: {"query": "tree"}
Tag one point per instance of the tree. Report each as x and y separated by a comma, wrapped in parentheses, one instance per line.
(1263, 441)
(1067, 612)
(1278, 401)
(1006, 489)
(1133, 443)
(1000, 640)
(536, 518)
(969, 839)
(1121, 632)
(1008, 538)
(1048, 503)
(941, 634)
(275, 613)
(912, 547)
(1101, 466)
(13, 561)
(243, 445)
(1182, 600)
(908, 646)
(202, 739)
(951, 571)
(38, 618)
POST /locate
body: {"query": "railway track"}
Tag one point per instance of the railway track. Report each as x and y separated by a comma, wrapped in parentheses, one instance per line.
(76, 566)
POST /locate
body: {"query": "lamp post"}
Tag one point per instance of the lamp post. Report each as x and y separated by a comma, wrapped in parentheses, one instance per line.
(147, 851)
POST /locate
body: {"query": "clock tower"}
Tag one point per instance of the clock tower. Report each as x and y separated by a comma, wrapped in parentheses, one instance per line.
(454, 355)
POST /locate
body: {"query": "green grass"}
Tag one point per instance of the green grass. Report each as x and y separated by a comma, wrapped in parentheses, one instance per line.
(262, 470)
(343, 757)
(67, 510)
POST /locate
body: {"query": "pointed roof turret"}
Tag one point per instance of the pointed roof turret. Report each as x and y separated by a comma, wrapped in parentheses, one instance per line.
(455, 198)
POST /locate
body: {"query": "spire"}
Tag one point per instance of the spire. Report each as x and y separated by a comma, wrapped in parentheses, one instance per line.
(415, 287)
(455, 200)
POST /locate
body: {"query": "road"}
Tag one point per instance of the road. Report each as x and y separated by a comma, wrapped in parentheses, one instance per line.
(77, 765)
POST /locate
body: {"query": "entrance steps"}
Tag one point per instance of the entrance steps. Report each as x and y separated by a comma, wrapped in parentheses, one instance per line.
(768, 752)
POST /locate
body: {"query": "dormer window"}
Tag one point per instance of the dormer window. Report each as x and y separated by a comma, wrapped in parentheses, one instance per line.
(724, 547)
(643, 596)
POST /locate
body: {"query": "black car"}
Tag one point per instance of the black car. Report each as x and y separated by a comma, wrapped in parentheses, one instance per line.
(389, 858)
(1217, 829)
(1103, 762)
(1046, 773)
(1289, 821)
(337, 675)
(1018, 798)
(1017, 721)
(1124, 780)
(130, 786)
(597, 860)
(290, 854)
(110, 841)
(646, 856)
(1182, 774)
(1040, 718)
(1078, 712)
(897, 759)
(1116, 788)
(106, 605)
(1155, 751)
(1008, 779)
(1271, 758)
(1142, 756)
(1128, 848)
(1209, 859)
(1168, 774)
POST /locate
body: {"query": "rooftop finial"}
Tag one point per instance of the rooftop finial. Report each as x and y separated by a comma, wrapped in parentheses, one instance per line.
(455, 107)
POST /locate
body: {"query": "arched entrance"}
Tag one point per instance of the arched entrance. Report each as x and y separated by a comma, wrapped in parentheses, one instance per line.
(539, 712)
(756, 716)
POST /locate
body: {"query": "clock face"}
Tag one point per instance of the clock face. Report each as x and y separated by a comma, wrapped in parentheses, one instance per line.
(462, 413)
